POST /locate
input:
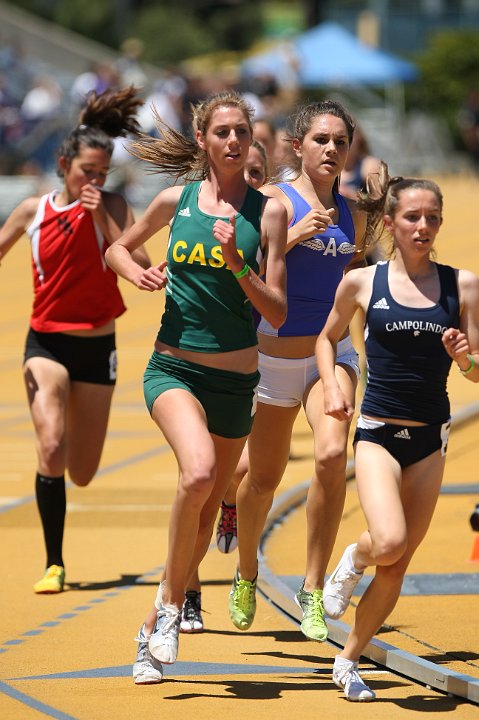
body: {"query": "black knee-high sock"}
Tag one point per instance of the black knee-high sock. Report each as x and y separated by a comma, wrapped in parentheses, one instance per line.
(52, 505)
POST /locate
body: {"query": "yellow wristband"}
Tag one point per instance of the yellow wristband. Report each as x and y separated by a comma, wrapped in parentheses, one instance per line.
(471, 366)
(241, 273)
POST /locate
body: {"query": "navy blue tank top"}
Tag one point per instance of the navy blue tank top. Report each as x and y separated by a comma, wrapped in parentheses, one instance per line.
(314, 268)
(407, 363)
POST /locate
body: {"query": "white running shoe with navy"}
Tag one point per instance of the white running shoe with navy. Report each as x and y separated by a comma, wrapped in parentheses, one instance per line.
(146, 670)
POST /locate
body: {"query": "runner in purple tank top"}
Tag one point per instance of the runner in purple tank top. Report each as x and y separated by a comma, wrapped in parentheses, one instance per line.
(325, 238)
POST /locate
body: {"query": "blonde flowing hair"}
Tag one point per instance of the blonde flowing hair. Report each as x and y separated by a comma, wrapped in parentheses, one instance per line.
(177, 155)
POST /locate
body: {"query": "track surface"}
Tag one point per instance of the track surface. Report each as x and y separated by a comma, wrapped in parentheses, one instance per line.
(69, 656)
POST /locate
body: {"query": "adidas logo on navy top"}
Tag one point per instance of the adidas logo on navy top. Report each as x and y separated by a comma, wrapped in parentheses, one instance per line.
(403, 434)
(185, 212)
(381, 304)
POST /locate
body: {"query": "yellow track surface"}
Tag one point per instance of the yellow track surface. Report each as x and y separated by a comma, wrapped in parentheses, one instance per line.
(69, 656)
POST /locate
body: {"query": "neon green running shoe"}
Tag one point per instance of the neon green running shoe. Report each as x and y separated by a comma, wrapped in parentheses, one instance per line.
(242, 602)
(52, 582)
(312, 624)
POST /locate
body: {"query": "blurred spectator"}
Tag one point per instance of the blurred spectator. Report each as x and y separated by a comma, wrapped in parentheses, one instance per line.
(100, 77)
(277, 99)
(468, 124)
(42, 100)
(125, 174)
(43, 121)
(10, 121)
(255, 103)
(18, 71)
(285, 160)
(129, 64)
(358, 165)
(167, 100)
(265, 132)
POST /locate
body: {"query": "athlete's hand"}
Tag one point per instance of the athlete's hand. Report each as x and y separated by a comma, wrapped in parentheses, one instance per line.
(153, 278)
(336, 405)
(225, 233)
(456, 344)
(313, 223)
(91, 197)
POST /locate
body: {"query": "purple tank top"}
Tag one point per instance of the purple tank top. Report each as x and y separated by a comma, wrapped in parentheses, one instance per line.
(314, 268)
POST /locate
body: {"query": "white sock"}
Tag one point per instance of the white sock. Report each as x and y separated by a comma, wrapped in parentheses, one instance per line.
(340, 661)
(159, 595)
(351, 563)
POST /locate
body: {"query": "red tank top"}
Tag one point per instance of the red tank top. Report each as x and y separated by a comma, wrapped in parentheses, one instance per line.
(74, 289)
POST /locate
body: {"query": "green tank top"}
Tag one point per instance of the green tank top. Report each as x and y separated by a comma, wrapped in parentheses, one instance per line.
(206, 309)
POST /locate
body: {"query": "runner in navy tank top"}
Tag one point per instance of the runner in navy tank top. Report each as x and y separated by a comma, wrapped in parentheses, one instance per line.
(420, 317)
(325, 238)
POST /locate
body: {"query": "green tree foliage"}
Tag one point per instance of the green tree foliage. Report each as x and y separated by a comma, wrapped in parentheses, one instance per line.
(95, 20)
(170, 36)
(449, 68)
(170, 31)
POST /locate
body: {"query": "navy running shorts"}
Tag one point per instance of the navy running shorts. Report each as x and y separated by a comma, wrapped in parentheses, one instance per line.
(407, 444)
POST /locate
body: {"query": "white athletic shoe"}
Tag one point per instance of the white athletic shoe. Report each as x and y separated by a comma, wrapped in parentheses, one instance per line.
(146, 670)
(340, 585)
(163, 643)
(346, 677)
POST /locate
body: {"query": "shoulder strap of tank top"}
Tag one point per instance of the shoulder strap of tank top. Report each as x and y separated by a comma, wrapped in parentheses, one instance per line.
(189, 192)
(300, 206)
(253, 204)
(380, 287)
(449, 288)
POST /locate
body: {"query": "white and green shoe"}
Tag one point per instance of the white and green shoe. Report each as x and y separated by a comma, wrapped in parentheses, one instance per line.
(242, 602)
(312, 623)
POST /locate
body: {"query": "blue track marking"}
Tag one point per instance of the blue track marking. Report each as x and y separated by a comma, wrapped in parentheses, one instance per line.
(34, 704)
(193, 669)
(421, 584)
(78, 610)
(460, 489)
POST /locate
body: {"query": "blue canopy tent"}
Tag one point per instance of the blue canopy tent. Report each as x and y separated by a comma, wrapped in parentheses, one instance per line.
(329, 55)
(368, 80)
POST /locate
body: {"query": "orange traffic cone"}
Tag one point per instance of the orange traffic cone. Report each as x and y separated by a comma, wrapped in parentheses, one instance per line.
(475, 550)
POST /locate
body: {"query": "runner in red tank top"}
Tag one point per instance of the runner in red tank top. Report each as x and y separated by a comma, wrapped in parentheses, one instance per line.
(70, 355)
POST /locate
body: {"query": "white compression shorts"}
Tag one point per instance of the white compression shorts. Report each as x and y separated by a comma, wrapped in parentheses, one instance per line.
(285, 380)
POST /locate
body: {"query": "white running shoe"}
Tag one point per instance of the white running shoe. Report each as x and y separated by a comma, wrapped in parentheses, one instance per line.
(340, 585)
(163, 642)
(346, 677)
(146, 670)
